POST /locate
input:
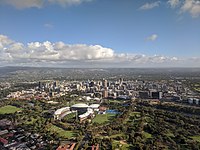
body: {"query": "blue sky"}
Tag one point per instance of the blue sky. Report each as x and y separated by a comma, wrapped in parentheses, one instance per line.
(133, 33)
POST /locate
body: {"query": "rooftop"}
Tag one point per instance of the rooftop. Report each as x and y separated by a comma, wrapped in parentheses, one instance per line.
(80, 105)
(59, 111)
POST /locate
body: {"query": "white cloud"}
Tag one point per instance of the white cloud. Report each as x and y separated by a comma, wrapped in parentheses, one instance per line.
(153, 37)
(76, 55)
(60, 51)
(4, 41)
(191, 6)
(68, 2)
(53, 51)
(185, 6)
(21, 4)
(147, 6)
(173, 3)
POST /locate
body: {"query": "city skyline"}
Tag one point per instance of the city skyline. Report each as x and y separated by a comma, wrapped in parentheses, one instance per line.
(94, 33)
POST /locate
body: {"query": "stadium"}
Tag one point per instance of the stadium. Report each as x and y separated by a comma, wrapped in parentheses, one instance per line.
(82, 110)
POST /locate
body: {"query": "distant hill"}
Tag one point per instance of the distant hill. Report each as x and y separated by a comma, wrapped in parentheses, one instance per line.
(37, 73)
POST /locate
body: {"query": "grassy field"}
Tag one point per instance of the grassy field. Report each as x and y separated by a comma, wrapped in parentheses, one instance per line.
(61, 132)
(196, 138)
(147, 135)
(170, 134)
(135, 113)
(70, 116)
(116, 101)
(197, 89)
(32, 121)
(9, 109)
(120, 145)
(117, 135)
(102, 118)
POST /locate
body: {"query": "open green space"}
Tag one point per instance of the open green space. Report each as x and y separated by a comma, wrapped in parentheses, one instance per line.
(117, 135)
(116, 101)
(31, 121)
(197, 89)
(120, 145)
(132, 116)
(70, 116)
(135, 113)
(196, 84)
(170, 134)
(196, 138)
(61, 132)
(9, 109)
(102, 118)
(147, 135)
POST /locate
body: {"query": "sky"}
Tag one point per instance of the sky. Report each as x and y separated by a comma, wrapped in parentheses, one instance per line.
(100, 33)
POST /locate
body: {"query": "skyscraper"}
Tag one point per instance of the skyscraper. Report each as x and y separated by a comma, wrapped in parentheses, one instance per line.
(105, 93)
(105, 83)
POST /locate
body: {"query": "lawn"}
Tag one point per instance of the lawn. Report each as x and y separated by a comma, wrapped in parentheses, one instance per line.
(102, 118)
(196, 138)
(120, 145)
(9, 109)
(170, 134)
(197, 89)
(196, 84)
(132, 116)
(135, 113)
(147, 135)
(117, 135)
(69, 116)
(31, 121)
(116, 101)
(61, 132)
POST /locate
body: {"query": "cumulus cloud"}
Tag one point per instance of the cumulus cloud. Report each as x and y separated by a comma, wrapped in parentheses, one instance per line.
(153, 37)
(60, 51)
(173, 3)
(21, 4)
(191, 6)
(76, 55)
(147, 6)
(53, 51)
(4, 41)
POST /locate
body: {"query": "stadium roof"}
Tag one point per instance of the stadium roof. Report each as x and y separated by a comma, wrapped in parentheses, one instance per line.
(59, 111)
(80, 105)
(94, 106)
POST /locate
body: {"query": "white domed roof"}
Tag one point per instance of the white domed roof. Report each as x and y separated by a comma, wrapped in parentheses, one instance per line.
(59, 111)
(80, 105)
(94, 106)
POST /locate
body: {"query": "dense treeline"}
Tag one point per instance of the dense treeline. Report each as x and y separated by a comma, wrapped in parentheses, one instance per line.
(151, 128)
(137, 126)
